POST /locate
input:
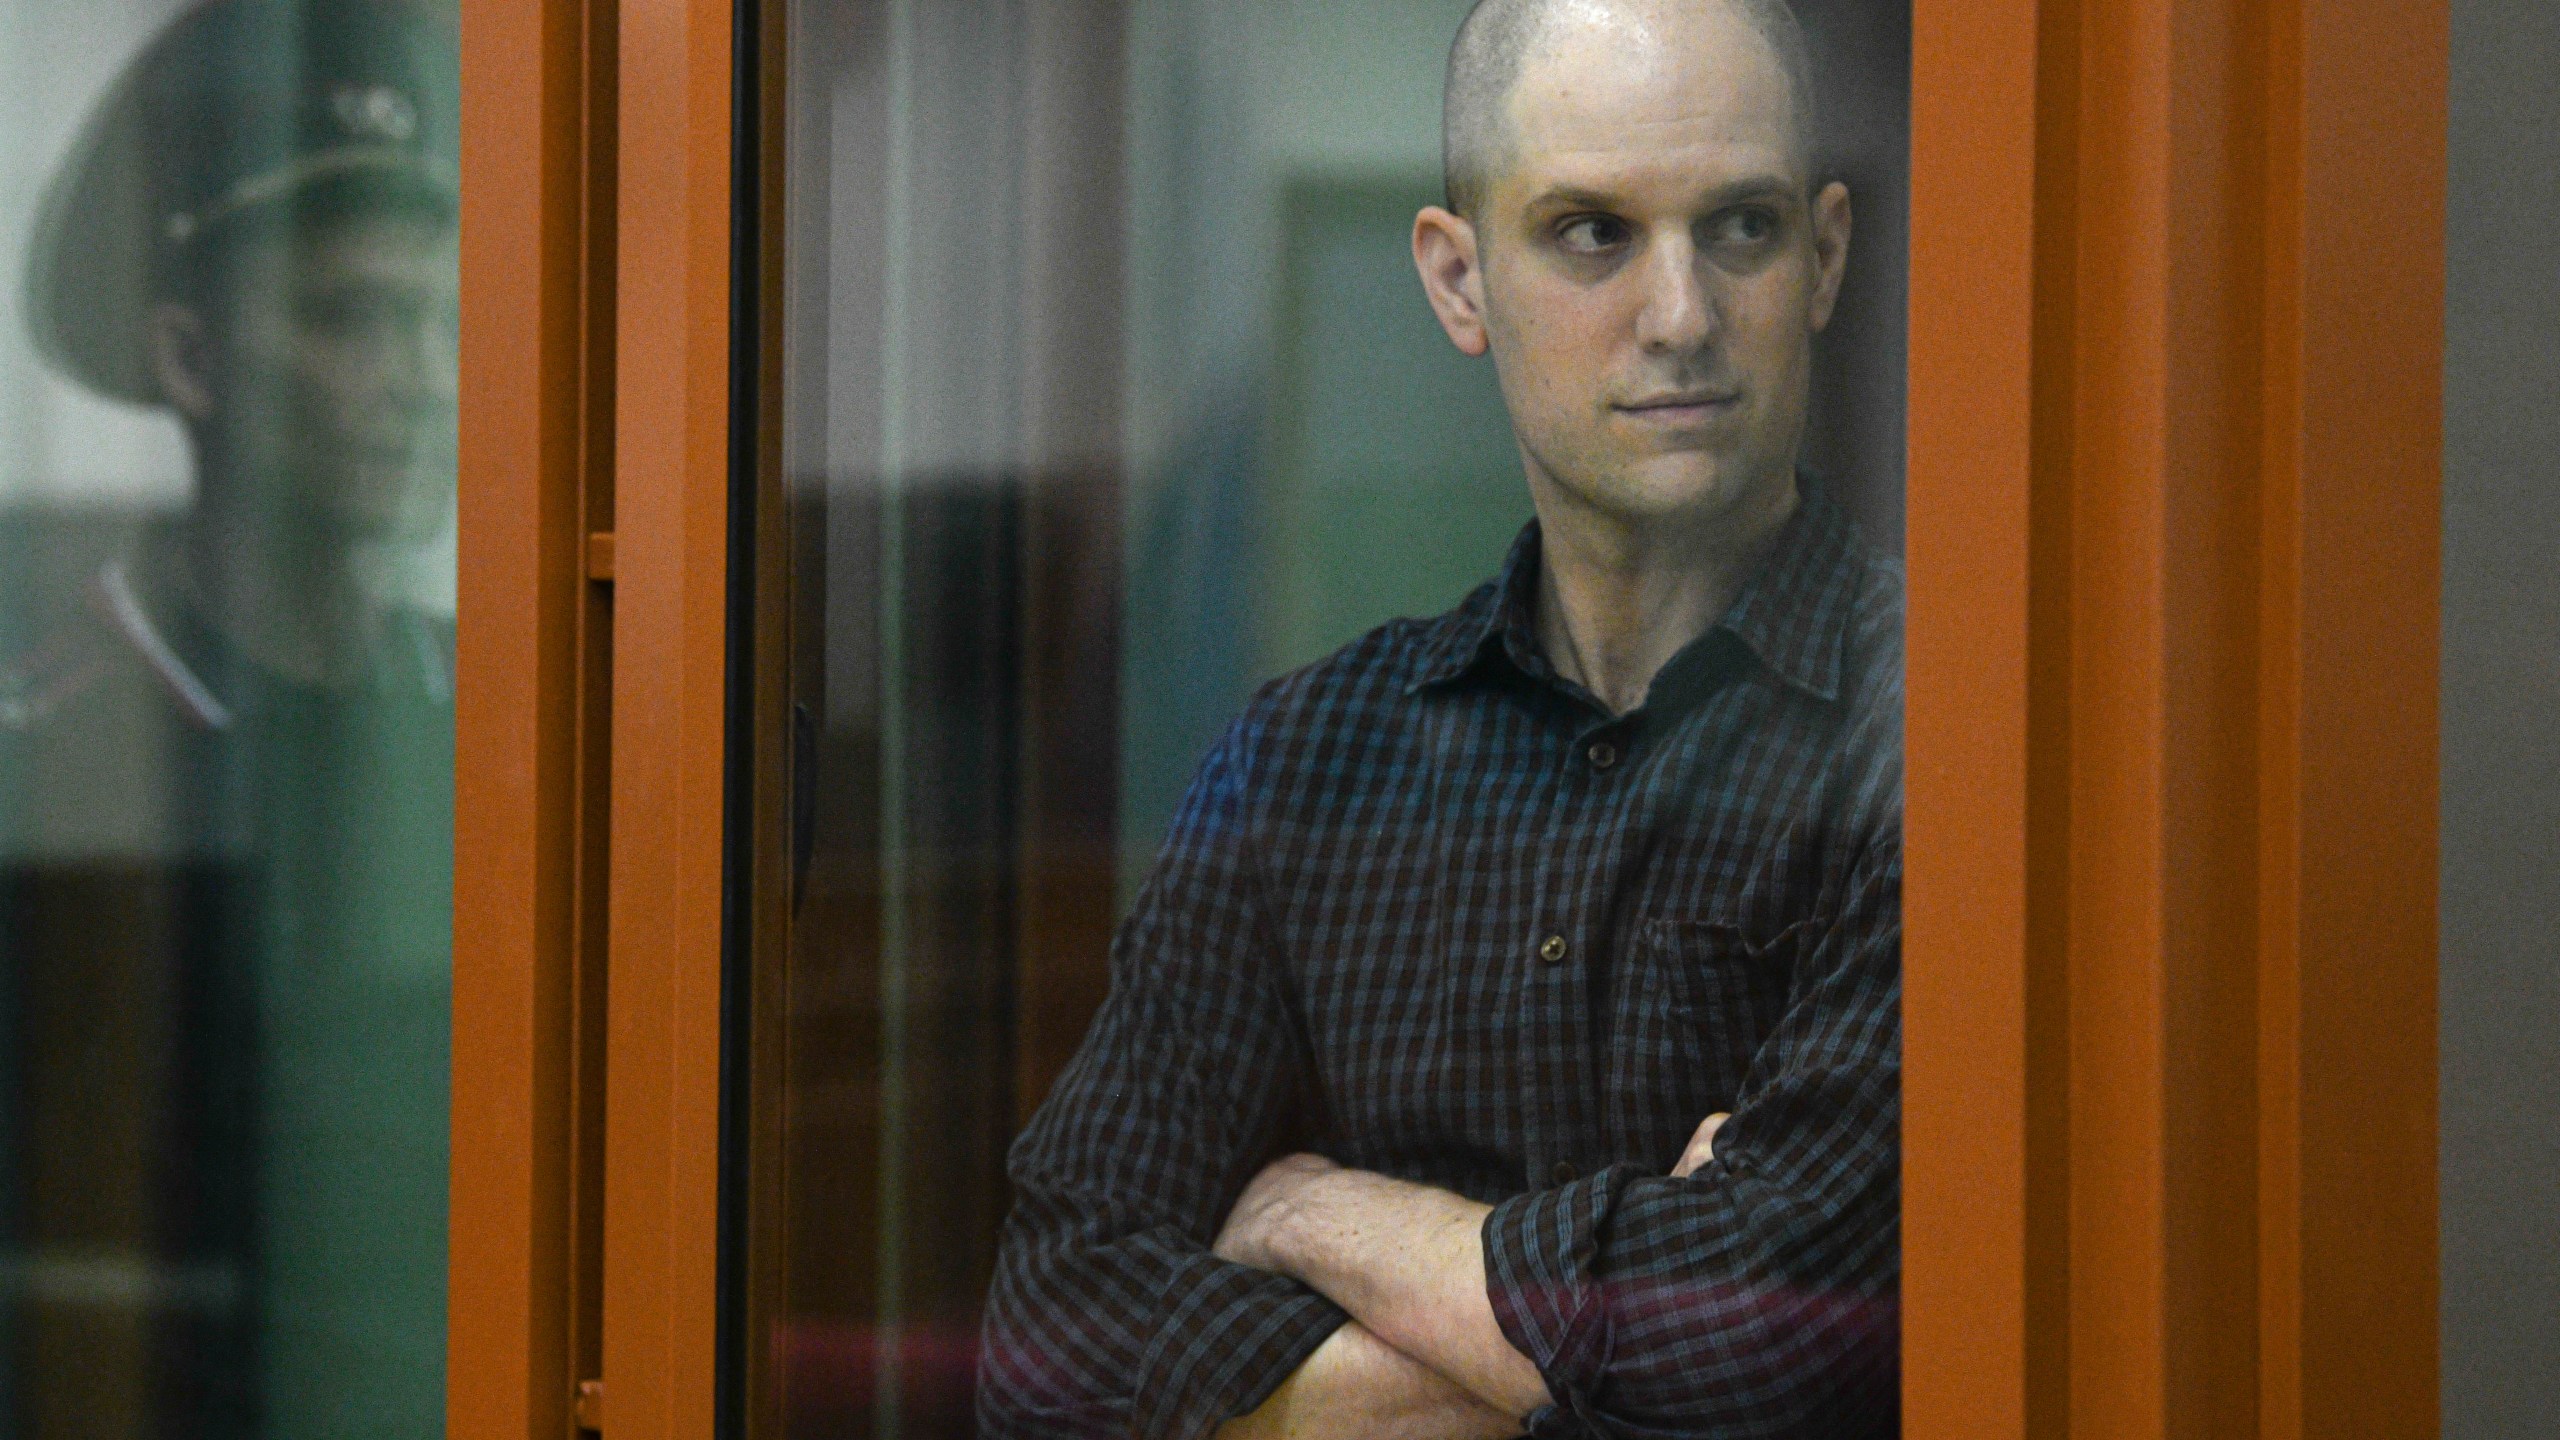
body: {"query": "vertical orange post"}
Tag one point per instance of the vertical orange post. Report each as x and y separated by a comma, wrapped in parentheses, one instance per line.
(527, 200)
(670, 663)
(2170, 1017)
(1972, 1014)
(2355, 450)
(2169, 280)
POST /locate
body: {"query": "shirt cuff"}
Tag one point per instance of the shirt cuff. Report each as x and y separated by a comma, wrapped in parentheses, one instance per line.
(1227, 1338)
(1540, 1251)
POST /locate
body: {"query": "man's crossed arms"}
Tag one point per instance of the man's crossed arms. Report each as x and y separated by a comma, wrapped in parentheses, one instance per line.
(1423, 1357)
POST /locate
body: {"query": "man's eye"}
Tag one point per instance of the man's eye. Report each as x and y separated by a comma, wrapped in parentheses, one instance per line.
(1748, 226)
(1592, 234)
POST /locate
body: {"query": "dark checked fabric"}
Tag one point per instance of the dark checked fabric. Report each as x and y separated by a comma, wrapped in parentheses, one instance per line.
(1431, 911)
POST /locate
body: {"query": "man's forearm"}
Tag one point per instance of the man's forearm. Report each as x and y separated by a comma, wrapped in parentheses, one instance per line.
(1358, 1385)
(1405, 1260)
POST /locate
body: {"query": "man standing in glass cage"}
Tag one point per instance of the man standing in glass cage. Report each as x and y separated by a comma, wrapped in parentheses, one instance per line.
(226, 762)
(1506, 1040)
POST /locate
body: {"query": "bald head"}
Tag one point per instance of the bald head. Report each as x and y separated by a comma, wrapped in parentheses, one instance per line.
(1501, 38)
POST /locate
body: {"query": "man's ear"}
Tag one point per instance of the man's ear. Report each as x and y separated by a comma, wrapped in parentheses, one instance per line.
(1830, 249)
(179, 347)
(1444, 250)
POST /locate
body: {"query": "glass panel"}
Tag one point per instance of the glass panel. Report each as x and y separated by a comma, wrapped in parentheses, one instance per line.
(227, 382)
(1110, 392)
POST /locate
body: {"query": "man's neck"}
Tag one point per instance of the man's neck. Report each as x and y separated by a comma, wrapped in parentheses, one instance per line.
(1618, 598)
(290, 603)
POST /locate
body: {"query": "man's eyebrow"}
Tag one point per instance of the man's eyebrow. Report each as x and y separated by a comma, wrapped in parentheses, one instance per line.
(1749, 187)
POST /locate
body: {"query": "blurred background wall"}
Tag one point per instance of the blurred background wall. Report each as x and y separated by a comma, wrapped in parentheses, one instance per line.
(2501, 956)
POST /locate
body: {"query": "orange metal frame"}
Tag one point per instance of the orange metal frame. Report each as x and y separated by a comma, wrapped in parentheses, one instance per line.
(2170, 984)
(2169, 1017)
(662, 1092)
(534, 658)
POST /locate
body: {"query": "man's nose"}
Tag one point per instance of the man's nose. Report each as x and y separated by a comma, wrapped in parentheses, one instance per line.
(1679, 316)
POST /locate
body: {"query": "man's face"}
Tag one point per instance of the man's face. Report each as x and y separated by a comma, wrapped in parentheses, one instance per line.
(1654, 268)
(331, 374)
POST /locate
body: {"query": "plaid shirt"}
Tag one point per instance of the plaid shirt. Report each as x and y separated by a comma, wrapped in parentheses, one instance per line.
(1429, 910)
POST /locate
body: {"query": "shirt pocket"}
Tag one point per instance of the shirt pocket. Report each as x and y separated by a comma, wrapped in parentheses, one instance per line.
(1702, 996)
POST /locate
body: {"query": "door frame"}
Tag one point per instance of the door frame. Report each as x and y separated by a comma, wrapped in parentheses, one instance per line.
(2175, 446)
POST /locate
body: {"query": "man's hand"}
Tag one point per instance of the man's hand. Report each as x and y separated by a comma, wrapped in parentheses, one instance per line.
(1702, 1147)
(1406, 1260)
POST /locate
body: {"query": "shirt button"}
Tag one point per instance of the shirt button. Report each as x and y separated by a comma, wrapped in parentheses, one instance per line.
(1603, 756)
(1564, 1172)
(1553, 951)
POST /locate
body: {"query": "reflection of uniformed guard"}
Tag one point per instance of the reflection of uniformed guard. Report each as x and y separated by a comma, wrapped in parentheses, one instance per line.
(225, 759)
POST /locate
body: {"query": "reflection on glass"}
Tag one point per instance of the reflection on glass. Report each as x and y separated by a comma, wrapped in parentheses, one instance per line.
(226, 716)
(1109, 393)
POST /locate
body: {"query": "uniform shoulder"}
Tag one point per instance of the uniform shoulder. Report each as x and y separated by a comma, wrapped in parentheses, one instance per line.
(103, 656)
(67, 670)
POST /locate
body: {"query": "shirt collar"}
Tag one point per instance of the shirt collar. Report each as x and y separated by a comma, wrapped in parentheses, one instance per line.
(1795, 610)
(1500, 617)
(1792, 615)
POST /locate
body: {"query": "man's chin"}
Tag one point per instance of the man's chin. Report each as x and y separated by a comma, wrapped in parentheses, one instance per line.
(1670, 490)
(1687, 487)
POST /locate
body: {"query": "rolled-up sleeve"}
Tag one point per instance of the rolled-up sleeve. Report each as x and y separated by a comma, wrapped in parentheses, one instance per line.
(1109, 1316)
(1756, 1297)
